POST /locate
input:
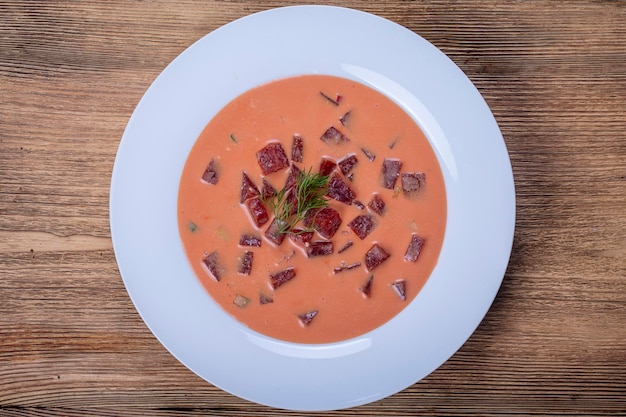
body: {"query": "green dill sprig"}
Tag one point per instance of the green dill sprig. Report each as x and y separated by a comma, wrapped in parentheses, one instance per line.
(310, 194)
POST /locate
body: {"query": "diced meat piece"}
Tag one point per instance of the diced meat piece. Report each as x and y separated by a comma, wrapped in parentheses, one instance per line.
(347, 163)
(301, 236)
(367, 288)
(358, 204)
(340, 190)
(292, 178)
(210, 175)
(391, 172)
(345, 119)
(241, 301)
(362, 225)
(327, 166)
(370, 155)
(375, 256)
(272, 158)
(250, 240)
(307, 317)
(399, 287)
(346, 246)
(273, 232)
(265, 299)
(331, 100)
(325, 221)
(346, 267)
(212, 262)
(245, 264)
(319, 248)
(257, 211)
(268, 190)
(412, 181)
(297, 148)
(279, 278)
(333, 136)
(377, 205)
(414, 248)
(248, 189)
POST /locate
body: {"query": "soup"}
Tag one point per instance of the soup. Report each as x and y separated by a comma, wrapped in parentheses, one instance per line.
(312, 209)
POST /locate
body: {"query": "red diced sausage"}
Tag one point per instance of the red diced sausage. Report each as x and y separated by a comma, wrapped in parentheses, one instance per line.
(272, 233)
(375, 256)
(319, 248)
(391, 172)
(272, 158)
(265, 299)
(248, 189)
(333, 136)
(345, 119)
(362, 225)
(399, 287)
(307, 317)
(340, 190)
(367, 288)
(245, 265)
(257, 211)
(297, 148)
(370, 155)
(279, 278)
(347, 163)
(377, 204)
(414, 248)
(210, 175)
(327, 166)
(325, 221)
(292, 178)
(301, 237)
(267, 191)
(412, 181)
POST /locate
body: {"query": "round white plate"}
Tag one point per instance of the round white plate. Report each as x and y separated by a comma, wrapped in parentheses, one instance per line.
(280, 43)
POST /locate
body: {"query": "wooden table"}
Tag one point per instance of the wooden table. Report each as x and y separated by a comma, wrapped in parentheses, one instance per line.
(554, 341)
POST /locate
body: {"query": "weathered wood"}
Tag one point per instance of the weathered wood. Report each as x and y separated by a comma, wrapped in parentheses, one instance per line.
(553, 343)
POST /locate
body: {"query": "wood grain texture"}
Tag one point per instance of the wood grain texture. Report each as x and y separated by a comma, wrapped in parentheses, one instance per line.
(554, 341)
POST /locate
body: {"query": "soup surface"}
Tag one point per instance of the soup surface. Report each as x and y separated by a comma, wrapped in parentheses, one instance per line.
(348, 267)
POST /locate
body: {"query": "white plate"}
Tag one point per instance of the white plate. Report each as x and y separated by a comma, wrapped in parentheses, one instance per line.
(275, 44)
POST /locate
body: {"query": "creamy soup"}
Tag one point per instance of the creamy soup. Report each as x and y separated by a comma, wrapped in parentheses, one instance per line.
(353, 263)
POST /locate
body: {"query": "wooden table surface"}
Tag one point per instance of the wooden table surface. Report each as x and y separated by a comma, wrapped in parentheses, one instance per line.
(554, 341)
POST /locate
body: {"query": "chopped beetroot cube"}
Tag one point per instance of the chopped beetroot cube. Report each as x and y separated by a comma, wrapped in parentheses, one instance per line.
(319, 248)
(267, 191)
(272, 158)
(346, 246)
(333, 136)
(212, 262)
(399, 287)
(391, 172)
(340, 190)
(412, 181)
(265, 299)
(345, 119)
(210, 173)
(297, 148)
(325, 221)
(362, 225)
(370, 155)
(248, 189)
(347, 267)
(367, 288)
(257, 211)
(273, 232)
(279, 278)
(414, 249)
(375, 256)
(301, 236)
(347, 163)
(250, 240)
(307, 317)
(377, 204)
(245, 265)
(327, 166)
(292, 178)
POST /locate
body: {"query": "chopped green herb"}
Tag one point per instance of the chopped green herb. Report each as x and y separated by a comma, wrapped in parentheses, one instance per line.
(192, 227)
(233, 138)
